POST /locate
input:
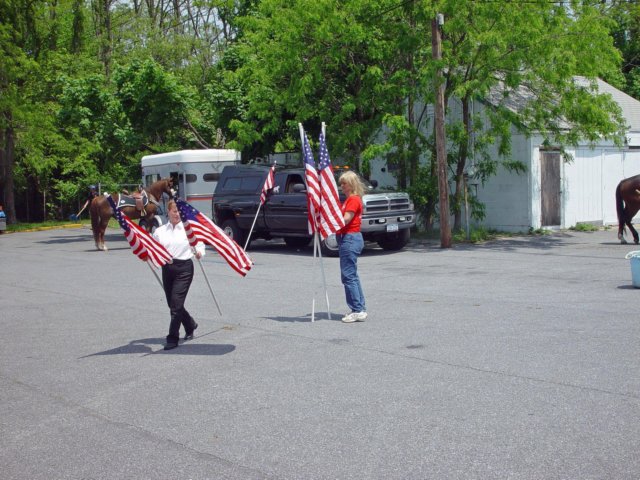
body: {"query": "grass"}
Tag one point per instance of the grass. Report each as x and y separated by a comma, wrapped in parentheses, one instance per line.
(539, 231)
(476, 235)
(584, 227)
(31, 226)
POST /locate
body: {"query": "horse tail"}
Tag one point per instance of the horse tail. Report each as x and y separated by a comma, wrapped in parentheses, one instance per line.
(620, 208)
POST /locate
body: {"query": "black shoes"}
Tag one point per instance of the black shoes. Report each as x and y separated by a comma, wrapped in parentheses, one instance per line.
(189, 335)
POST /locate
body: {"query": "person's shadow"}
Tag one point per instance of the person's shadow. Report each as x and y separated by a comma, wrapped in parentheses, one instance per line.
(145, 346)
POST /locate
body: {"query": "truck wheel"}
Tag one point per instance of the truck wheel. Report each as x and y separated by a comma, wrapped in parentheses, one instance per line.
(233, 231)
(329, 246)
(297, 242)
(395, 241)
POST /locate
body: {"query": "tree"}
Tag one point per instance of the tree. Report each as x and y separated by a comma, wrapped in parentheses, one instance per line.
(497, 50)
(298, 62)
(626, 36)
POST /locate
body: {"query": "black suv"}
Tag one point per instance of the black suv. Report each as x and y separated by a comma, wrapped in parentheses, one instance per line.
(386, 219)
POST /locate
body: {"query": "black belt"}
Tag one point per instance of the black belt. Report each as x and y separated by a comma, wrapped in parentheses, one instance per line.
(177, 261)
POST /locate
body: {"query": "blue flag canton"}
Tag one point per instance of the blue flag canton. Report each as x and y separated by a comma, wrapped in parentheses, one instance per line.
(187, 212)
(308, 154)
(324, 154)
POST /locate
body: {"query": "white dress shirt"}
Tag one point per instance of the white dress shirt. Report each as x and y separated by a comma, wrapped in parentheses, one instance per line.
(174, 239)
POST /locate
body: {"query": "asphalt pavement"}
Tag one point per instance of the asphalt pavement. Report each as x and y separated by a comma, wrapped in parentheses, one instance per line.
(514, 359)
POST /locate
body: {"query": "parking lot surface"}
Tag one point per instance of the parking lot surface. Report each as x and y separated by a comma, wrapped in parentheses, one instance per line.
(517, 358)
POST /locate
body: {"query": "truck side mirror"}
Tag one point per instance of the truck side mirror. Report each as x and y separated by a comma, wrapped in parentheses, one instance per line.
(299, 188)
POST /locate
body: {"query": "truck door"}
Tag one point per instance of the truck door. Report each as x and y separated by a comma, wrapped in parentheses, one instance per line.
(286, 210)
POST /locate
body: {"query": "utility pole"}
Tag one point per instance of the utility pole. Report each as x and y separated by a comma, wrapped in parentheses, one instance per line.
(441, 139)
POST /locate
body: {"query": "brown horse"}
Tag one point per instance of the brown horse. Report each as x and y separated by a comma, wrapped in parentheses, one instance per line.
(627, 205)
(101, 211)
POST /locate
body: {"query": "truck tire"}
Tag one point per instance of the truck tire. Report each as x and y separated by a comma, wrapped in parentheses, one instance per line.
(395, 241)
(297, 242)
(233, 231)
(329, 246)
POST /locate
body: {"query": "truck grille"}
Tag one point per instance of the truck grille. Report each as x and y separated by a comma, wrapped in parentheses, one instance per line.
(386, 205)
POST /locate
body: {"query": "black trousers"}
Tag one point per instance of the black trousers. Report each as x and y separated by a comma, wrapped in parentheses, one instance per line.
(176, 278)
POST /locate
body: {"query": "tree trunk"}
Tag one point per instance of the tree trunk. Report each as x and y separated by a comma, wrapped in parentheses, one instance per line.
(53, 32)
(78, 27)
(441, 139)
(8, 160)
(463, 153)
(102, 11)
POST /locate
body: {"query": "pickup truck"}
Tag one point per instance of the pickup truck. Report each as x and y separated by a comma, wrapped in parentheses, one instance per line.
(387, 216)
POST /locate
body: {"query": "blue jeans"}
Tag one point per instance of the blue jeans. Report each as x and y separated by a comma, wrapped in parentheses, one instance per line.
(350, 246)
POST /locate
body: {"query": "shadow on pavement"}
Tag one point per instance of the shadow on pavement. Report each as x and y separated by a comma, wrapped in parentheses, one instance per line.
(307, 318)
(85, 237)
(144, 346)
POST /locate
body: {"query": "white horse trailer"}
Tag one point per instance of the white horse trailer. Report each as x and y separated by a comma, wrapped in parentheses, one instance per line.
(195, 173)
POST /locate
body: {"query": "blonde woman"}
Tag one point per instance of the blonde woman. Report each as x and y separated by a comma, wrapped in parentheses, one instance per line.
(350, 245)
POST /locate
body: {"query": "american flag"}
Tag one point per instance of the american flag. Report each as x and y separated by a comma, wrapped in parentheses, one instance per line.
(313, 186)
(143, 245)
(268, 183)
(200, 228)
(331, 218)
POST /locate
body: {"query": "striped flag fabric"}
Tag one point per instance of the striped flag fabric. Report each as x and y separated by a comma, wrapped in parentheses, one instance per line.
(199, 228)
(313, 186)
(143, 245)
(268, 183)
(331, 218)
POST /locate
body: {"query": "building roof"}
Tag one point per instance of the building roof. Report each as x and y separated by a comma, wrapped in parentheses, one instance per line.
(516, 100)
(630, 106)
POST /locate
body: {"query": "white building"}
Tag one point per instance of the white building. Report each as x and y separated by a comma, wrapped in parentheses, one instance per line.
(553, 193)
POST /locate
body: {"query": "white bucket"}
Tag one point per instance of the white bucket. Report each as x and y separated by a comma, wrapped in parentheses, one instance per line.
(635, 267)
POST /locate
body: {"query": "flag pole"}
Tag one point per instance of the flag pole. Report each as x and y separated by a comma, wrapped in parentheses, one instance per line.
(315, 261)
(324, 279)
(262, 192)
(315, 237)
(156, 275)
(246, 244)
(209, 285)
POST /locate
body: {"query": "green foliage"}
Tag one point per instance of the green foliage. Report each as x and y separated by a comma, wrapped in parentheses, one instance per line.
(424, 193)
(539, 231)
(86, 90)
(478, 235)
(584, 227)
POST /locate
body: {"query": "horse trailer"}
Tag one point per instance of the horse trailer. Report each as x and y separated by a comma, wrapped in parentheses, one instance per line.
(195, 173)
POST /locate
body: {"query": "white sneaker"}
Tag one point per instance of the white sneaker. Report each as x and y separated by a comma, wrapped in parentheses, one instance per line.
(346, 318)
(354, 317)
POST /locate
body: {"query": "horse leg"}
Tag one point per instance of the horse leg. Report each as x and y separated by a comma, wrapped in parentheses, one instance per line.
(103, 229)
(95, 222)
(621, 212)
(149, 220)
(629, 213)
(633, 232)
(621, 229)
(96, 237)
